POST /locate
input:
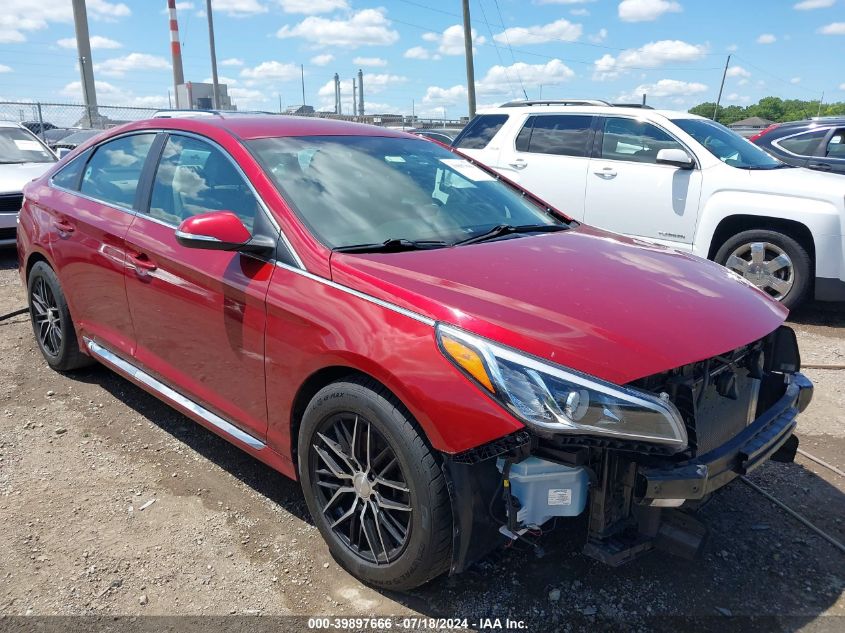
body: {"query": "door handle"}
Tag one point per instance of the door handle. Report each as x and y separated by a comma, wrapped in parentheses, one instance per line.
(518, 164)
(64, 226)
(606, 172)
(142, 262)
(819, 166)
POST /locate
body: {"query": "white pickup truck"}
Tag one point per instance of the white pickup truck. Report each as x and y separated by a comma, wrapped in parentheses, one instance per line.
(676, 179)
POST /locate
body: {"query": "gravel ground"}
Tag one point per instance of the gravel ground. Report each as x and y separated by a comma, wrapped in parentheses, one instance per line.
(113, 504)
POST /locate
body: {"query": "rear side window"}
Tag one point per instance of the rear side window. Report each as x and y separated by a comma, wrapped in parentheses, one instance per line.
(836, 145)
(636, 141)
(562, 135)
(68, 176)
(802, 144)
(114, 170)
(480, 131)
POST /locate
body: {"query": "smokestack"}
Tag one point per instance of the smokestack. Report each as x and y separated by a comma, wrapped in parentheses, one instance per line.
(337, 94)
(360, 92)
(354, 97)
(176, 51)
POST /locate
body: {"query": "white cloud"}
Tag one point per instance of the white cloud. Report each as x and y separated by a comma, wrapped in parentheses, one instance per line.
(437, 96)
(503, 79)
(109, 94)
(842, 86)
(238, 8)
(651, 55)
(808, 5)
(310, 7)
(646, 10)
(369, 61)
(5, 69)
(766, 38)
(222, 80)
(731, 48)
(180, 6)
(368, 27)
(738, 71)
(742, 82)
(795, 80)
(232, 61)
(451, 40)
(418, 52)
(834, 28)
(119, 66)
(97, 42)
(19, 17)
(247, 98)
(563, 1)
(665, 88)
(272, 71)
(581, 13)
(322, 60)
(540, 34)
(599, 37)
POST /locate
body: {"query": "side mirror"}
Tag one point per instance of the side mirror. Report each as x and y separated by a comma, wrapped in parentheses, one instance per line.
(675, 157)
(220, 231)
(62, 152)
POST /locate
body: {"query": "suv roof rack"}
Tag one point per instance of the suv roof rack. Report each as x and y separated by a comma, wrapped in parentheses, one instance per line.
(570, 102)
(632, 105)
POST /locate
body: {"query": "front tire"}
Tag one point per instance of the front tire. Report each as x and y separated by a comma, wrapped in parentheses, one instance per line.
(772, 261)
(373, 486)
(51, 322)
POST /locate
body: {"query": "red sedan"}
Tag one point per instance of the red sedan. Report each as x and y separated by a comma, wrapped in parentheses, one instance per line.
(441, 359)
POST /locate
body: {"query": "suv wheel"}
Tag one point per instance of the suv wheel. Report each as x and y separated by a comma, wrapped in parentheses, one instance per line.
(373, 487)
(772, 261)
(51, 321)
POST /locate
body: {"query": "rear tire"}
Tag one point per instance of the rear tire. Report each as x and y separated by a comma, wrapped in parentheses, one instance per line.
(352, 433)
(772, 261)
(51, 322)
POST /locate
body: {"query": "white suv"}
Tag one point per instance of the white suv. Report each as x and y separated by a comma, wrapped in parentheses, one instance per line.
(676, 179)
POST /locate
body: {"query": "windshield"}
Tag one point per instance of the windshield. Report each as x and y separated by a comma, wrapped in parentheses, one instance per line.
(20, 146)
(726, 145)
(354, 190)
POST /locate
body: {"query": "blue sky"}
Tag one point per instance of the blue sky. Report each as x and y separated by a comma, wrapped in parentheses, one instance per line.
(411, 51)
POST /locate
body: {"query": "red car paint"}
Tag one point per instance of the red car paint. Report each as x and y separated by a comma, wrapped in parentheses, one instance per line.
(242, 337)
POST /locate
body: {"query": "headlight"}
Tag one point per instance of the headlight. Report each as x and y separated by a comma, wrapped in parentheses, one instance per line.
(554, 399)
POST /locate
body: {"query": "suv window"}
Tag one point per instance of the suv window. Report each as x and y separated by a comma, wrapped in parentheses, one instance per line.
(113, 172)
(836, 145)
(195, 177)
(563, 135)
(632, 140)
(480, 131)
(802, 144)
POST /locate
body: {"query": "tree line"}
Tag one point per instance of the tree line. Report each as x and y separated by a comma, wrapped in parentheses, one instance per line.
(771, 108)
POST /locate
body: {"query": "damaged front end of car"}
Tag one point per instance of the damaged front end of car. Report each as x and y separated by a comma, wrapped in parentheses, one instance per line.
(637, 458)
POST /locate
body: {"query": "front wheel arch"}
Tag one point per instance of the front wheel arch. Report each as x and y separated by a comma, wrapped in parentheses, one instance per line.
(734, 224)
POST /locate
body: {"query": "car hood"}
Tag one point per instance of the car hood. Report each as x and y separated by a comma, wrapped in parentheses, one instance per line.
(799, 182)
(13, 177)
(604, 304)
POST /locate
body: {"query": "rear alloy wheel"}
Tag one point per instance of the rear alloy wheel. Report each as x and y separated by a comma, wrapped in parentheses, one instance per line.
(51, 320)
(373, 487)
(773, 262)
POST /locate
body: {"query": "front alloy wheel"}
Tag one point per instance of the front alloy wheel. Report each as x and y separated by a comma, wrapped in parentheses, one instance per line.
(766, 265)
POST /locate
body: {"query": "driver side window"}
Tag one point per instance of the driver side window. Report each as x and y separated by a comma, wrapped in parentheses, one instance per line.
(113, 172)
(632, 140)
(195, 177)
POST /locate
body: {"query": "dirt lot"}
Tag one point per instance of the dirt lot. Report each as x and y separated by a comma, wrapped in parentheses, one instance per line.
(114, 504)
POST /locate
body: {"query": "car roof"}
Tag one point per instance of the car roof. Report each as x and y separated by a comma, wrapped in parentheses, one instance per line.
(645, 113)
(10, 124)
(254, 126)
(811, 123)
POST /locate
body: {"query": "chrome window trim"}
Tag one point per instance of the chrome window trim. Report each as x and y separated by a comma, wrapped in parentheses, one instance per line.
(777, 141)
(170, 394)
(361, 295)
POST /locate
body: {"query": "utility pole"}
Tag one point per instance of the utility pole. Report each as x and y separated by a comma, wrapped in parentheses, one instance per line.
(360, 92)
(819, 113)
(86, 67)
(354, 98)
(468, 54)
(721, 87)
(215, 86)
(302, 75)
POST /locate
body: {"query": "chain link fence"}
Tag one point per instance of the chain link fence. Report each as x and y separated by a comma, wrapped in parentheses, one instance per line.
(41, 117)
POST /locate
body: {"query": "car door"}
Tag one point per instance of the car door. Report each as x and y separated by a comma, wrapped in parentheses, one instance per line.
(200, 314)
(550, 158)
(94, 201)
(831, 153)
(629, 192)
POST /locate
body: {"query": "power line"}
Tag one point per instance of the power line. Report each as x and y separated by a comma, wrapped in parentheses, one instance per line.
(498, 53)
(508, 42)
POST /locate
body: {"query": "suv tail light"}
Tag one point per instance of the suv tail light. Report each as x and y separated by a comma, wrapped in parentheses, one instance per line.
(765, 131)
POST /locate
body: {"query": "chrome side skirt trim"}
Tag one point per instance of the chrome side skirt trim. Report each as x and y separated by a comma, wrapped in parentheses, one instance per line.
(361, 295)
(167, 393)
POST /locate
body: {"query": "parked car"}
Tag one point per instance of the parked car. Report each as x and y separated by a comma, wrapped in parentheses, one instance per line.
(37, 127)
(51, 137)
(72, 141)
(694, 184)
(444, 136)
(23, 156)
(441, 359)
(815, 143)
